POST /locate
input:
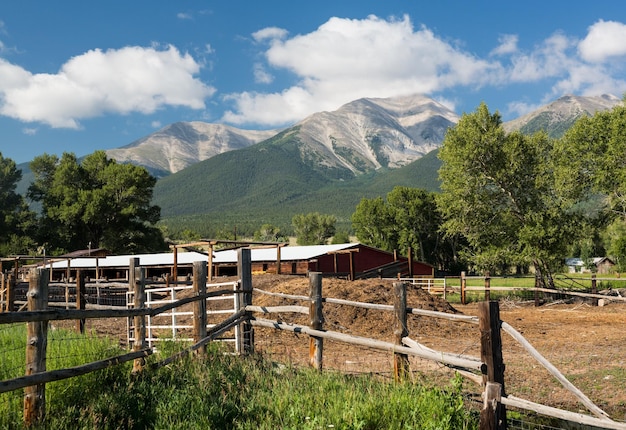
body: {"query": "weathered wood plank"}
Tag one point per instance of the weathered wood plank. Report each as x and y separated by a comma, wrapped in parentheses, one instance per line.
(553, 371)
(440, 357)
(57, 375)
(562, 414)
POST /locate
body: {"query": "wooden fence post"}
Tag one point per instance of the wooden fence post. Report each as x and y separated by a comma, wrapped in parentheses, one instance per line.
(137, 285)
(10, 293)
(80, 299)
(493, 414)
(244, 271)
(2, 291)
(487, 287)
(199, 306)
(400, 331)
(316, 344)
(463, 285)
(594, 289)
(537, 285)
(36, 345)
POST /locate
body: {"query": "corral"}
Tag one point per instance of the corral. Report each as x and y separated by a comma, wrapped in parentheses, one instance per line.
(584, 342)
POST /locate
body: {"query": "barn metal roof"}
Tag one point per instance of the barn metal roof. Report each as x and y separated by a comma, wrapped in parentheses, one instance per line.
(287, 253)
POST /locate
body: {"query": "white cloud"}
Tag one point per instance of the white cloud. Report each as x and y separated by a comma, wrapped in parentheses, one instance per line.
(184, 15)
(508, 45)
(30, 131)
(551, 58)
(604, 40)
(269, 33)
(520, 108)
(156, 124)
(131, 79)
(261, 75)
(347, 59)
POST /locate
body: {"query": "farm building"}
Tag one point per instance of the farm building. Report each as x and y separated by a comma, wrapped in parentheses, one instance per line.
(601, 265)
(352, 260)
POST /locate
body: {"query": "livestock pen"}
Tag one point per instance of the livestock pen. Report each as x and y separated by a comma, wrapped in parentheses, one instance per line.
(483, 365)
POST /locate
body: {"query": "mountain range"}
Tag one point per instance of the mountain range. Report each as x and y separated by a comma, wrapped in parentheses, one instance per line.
(329, 161)
(213, 176)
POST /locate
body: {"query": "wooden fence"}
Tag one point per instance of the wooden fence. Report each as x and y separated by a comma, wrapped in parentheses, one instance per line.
(565, 287)
(488, 370)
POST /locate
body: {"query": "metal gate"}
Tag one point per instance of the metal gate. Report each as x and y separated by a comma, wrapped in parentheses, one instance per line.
(177, 324)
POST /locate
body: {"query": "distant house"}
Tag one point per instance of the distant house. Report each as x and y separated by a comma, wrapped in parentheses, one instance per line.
(602, 265)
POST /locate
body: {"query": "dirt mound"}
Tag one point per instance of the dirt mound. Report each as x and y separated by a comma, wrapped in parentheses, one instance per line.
(345, 318)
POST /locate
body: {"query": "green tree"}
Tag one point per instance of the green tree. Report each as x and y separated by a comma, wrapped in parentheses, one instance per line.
(499, 192)
(591, 159)
(341, 236)
(313, 228)
(373, 224)
(17, 222)
(408, 218)
(269, 233)
(97, 203)
(615, 238)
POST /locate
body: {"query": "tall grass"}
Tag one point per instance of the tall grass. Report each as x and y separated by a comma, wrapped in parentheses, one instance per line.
(222, 391)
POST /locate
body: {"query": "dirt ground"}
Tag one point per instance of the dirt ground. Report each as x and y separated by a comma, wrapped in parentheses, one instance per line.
(587, 344)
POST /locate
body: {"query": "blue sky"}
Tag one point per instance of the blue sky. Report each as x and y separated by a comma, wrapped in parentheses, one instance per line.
(78, 76)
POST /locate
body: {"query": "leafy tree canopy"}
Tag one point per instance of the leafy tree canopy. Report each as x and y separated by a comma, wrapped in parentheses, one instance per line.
(17, 222)
(408, 218)
(269, 233)
(313, 228)
(97, 203)
(499, 192)
(591, 167)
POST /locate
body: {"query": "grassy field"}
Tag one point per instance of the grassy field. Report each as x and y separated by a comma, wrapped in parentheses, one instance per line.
(221, 392)
(521, 287)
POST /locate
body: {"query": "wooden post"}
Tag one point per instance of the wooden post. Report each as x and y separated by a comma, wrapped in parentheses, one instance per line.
(210, 262)
(80, 299)
(67, 293)
(3, 296)
(400, 331)
(463, 285)
(278, 259)
(537, 291)
(11, 293)
(493, 415)
(316, 344)
(36, 345)
(594, 289)
(487, 287)
(352, 270)
(137, 284)
(244, 271)
(175, 266)
(199, 307)
(410, 261)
